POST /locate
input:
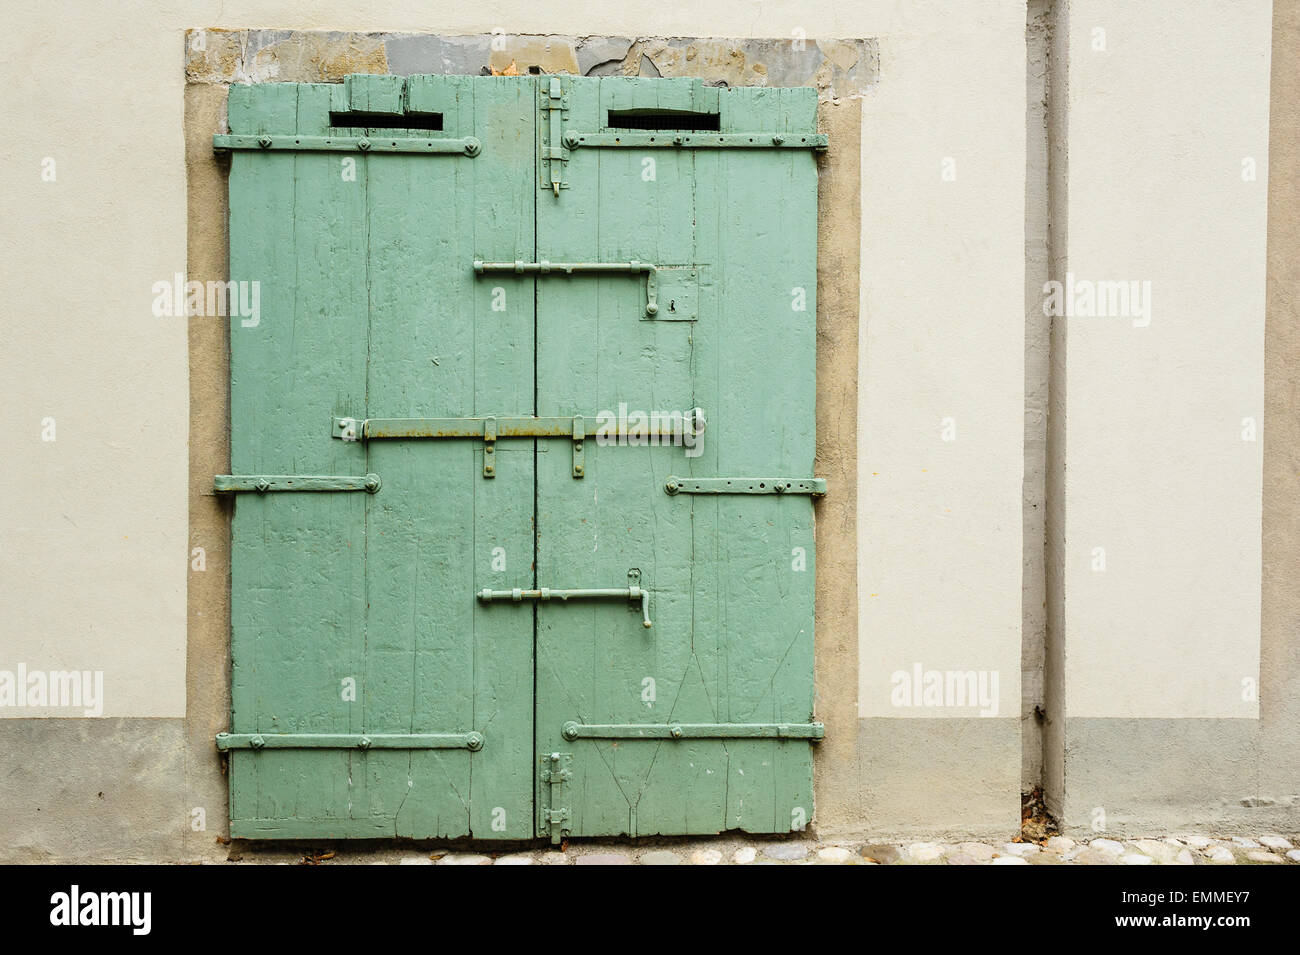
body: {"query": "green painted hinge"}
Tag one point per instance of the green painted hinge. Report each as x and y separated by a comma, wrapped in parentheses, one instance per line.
(668, 140)
(261, 483)
(471, 741)
(810, 731)
(741, 485)
(464, 146)
(553, 817)
(520, 267)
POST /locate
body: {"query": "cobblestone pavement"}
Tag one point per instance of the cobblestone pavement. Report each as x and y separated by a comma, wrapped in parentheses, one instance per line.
(1182, 849)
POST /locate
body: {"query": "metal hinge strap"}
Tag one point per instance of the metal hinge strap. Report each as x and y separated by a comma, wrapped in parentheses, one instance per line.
(808, 731)
(697, 140)
(472, 741)
(464, 146)
(230, 483)
(543, 267)
(745, 485)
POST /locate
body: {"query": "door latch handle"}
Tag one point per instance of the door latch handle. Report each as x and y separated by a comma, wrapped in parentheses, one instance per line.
(633, 592)
(520, 267)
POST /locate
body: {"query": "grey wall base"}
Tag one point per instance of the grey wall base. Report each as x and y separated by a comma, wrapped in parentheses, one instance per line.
(1138, 776)
(934, 779)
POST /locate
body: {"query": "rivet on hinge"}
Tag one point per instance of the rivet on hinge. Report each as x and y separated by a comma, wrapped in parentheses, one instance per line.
(489, 447)
(579, 434)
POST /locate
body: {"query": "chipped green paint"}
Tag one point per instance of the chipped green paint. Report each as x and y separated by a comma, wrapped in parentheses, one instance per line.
(379, 685)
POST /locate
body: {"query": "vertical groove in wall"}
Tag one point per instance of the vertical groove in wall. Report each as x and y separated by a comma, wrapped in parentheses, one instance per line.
(1037, 372)
(1053, 733)
(1279, 706)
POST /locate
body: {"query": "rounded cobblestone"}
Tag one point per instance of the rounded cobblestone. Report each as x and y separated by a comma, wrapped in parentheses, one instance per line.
(834, 855)
(661, 857)
(786, 851)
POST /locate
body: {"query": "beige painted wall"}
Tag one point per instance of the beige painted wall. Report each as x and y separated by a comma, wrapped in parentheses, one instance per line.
(1164, 106)
(942, 346)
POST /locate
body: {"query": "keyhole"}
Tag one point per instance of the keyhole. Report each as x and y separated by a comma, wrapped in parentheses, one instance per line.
(672, 305)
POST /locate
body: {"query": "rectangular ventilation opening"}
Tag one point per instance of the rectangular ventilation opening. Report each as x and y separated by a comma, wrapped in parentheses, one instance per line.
(669, 119)
(367, 120)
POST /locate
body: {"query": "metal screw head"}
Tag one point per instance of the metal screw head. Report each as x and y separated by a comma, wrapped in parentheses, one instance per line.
(372, 483)
(263, 485)
(672, 487)
(257, 742)
(363, 145)
(264, 142)
(569, 732)
(676, 732)
(472, 146)
(474, 742)
(363, 743)
(571, 140)
(777, 140)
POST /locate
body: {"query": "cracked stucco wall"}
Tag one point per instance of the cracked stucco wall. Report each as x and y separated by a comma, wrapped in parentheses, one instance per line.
(835, 67)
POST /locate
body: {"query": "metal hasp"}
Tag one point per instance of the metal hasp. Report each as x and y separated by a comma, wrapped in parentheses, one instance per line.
(464, 146)
(520, 267)
(809, 731)
(633, 593)
(815, 487)
(471, 741)
(552, 820)
(697, 141)
(261, 483)
(491, 428)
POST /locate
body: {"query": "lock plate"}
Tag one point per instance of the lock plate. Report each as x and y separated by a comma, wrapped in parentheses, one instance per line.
(679, 294)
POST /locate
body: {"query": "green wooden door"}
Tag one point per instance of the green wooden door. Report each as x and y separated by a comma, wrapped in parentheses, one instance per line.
(477, 295)
(727, 663)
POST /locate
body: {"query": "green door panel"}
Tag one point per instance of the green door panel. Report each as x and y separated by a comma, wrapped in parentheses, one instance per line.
(366, 311)
(731, 577)
(400, 666)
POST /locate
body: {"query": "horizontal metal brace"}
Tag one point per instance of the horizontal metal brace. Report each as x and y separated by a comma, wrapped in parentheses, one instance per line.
(741, 485)
(472, 741)
(697, 140)
(665, 428)
(520, 267)
(809, 731)
(464, 146)
(633, 593)
(506, 427)
(229, 483)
